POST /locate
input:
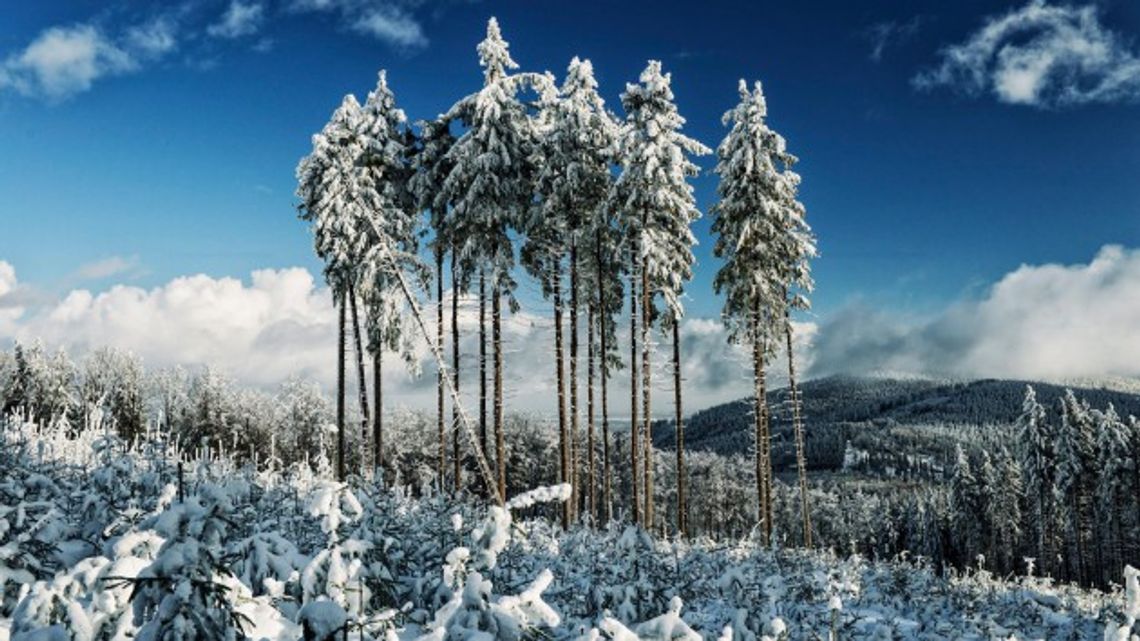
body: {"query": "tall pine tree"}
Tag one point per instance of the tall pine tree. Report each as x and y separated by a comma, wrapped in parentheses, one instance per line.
(766, 245)
(655, 206)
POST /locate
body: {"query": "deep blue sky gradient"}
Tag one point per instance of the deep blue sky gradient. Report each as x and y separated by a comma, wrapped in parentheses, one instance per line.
(918, 198)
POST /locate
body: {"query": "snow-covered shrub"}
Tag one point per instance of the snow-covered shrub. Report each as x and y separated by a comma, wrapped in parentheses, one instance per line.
(1123, 632)
(187, 592)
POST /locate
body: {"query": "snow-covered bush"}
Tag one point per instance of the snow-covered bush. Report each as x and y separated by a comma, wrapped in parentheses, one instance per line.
(285, 554)
(187, 592)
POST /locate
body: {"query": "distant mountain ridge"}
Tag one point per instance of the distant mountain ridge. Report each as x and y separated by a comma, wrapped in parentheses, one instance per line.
(843, 399)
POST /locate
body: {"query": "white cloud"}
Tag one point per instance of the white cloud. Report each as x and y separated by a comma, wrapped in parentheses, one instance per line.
(392, 21)
(240, 19)
(1052, 322)
(11, 301)
(282, 322)
(260, 332)
(107, 267)
(391, 25)
(66, 60)
(1041, 55)
(153, 39)
(63, 61)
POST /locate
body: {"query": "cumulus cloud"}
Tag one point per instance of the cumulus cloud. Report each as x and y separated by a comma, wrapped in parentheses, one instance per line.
(13, 298)
(1052, 322)
(240, 19)
(63, 61)
(66, 60)
(199, 320)
(1041, 55)
(282, 322)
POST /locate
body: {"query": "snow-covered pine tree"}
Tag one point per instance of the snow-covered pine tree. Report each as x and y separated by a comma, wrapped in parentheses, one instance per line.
(766, 245)
(655, 206)
(1114, 476)
(490, 186)
(431, 168)
(329, 189)
(1076, 482)
(1036, 437)
(386, 160)
(573, 180)
(966, 506)
(1009, 495)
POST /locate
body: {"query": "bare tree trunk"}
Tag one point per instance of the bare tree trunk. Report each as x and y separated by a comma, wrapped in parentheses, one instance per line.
(560, 380)
(647, 409)
(497, 337)
(437, 353)
(340, 349)
(456, 460)
(602, 316)
(769, 487)
(682, 506)
(634, 382)
(378, 413)
(441, 467)
(591, 485)
(362, 385)
(575, 489)
(761, 473)
(483, 361)
(798, 427)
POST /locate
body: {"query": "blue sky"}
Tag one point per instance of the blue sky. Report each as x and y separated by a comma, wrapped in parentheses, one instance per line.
(927, 180)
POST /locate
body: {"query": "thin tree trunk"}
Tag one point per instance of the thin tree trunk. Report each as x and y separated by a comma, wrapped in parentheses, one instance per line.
(472, 436)
(575, 489)
(362, 385)
(604, 314)
(769, 486)
(758, 380)
(647, 411)
(798, 427)
(378, 413)
(441, 468)
(592, 494)
(634, 382)
(682, 506)
(340, 349)
(497, 337)
(560, 380)
(483, 362)
(456, 460)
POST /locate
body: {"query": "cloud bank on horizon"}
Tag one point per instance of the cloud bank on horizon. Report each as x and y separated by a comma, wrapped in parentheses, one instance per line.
(1051, 322)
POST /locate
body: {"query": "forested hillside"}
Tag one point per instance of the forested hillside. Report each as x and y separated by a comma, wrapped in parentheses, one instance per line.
(841, 408)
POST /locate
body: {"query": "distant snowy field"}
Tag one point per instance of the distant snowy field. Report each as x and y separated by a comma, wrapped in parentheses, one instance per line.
(96, 545)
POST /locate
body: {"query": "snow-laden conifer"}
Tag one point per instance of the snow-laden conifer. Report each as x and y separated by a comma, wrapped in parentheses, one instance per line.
(576, 138)
(766, 245)
(655, 206)
(490, 186)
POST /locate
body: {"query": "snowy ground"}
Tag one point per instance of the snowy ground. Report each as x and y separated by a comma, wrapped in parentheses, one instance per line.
(94, 544)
